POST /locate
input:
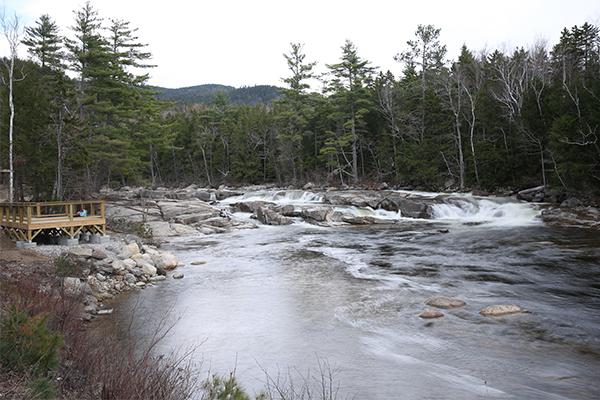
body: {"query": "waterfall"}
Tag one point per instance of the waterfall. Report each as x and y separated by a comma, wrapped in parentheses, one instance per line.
(496, 211)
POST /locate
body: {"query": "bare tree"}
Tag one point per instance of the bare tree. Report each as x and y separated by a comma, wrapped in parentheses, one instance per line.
(12, 30)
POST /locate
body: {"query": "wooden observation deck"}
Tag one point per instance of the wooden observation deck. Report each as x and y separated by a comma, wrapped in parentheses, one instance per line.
(24, 221)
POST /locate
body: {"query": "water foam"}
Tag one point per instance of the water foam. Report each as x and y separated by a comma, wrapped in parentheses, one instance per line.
(495, 211)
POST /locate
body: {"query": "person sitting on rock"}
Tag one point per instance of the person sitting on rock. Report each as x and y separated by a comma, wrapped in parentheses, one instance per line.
(223, 214)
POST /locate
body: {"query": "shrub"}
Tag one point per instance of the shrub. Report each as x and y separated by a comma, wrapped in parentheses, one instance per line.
(27, 344)
(64, 267)
(42, 389)
(225, 388)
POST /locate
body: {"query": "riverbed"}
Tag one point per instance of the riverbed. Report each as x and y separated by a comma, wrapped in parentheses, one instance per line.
(289, 298)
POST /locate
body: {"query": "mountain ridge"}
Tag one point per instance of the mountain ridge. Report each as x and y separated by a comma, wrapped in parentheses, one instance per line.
(250, 95)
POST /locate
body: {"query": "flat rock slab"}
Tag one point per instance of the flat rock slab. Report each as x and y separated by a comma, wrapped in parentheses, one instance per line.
(502, 309)
(431, 314)
(198, 262)
(81, 252)
(444, 302)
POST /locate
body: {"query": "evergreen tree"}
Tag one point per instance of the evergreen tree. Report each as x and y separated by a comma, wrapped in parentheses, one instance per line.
(347, 87)
(294, 110)
(46, 45)
(428, 53)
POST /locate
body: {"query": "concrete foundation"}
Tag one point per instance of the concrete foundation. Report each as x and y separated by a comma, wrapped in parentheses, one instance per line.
(25, 245)
(94, 239)
(67, 241)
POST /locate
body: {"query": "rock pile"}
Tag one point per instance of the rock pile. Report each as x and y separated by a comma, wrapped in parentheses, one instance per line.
(106, 270)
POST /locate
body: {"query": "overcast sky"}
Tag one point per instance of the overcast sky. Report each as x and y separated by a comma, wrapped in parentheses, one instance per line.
(242, 42)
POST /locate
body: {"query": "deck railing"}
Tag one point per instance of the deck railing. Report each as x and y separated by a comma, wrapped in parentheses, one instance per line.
(23, 221)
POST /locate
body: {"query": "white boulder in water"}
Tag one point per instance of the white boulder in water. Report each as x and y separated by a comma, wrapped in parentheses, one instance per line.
(501, 309)
(444, 302)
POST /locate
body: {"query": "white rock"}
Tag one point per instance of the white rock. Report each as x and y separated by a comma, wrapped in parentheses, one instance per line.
(150, 250)
(501, 309)
(129, 250)
(129, 263)
(148, 269)
(169, 260)
(118, 265)
(444, 302)
(72, 285)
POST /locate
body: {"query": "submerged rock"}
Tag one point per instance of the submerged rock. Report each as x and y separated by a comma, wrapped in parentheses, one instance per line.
(444, 302)
(502, 309)
(431, 314)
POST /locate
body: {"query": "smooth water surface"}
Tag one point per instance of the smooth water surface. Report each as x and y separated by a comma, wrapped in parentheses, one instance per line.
(278, 298)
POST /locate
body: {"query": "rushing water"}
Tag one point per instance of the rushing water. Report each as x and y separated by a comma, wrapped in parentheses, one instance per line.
(282, 297)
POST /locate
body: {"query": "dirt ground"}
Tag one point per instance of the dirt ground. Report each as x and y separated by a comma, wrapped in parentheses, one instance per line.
(10, 253)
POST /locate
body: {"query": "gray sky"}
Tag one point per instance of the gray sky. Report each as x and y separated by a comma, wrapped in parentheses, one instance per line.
(242, 42)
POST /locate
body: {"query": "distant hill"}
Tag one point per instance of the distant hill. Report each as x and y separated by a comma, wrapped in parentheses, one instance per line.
(262, 94)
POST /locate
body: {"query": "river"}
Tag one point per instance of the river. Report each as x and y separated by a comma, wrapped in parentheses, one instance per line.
(281, 298)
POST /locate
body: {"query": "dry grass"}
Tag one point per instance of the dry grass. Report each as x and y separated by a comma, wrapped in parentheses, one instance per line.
(94, 364)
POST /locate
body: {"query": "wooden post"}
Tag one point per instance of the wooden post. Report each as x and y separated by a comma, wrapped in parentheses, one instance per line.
(29, 212)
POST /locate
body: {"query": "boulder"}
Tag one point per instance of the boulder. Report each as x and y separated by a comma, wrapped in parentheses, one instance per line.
(99, 255)
(129, 278)
(129, 264)
(581, 217)
(128, 251)
(288, 210)
(428, 313)
(270, 217)
(149, 250)
(250, 206)
(444, 302)
(408, 208)
(318, 214)
(72, 285)
(178, 275)
(80, 252)
(503, 309)
(166, 260)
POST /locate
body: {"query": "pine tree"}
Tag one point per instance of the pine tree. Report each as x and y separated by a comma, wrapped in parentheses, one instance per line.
(294, 109)
(348, 89)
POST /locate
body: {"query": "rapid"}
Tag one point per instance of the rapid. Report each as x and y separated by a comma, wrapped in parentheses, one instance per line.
(287, 298)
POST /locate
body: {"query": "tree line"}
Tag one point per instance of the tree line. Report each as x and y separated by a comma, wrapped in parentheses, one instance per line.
(85, 117)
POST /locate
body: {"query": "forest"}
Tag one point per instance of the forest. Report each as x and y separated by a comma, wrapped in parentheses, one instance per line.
(78, 115)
